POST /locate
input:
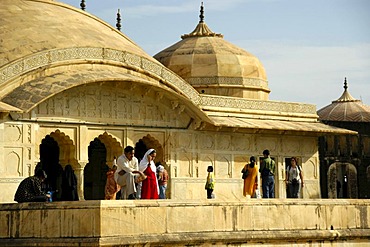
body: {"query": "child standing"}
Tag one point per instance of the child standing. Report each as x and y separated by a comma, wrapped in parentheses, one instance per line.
(210, 183)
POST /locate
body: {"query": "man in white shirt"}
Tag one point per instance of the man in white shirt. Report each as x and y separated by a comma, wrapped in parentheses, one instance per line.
(127, 167)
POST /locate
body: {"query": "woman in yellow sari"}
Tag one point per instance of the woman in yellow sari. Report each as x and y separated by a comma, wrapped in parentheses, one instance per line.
(250, 182)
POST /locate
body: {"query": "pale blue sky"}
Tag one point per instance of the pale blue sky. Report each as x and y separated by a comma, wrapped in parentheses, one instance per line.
(306, 47)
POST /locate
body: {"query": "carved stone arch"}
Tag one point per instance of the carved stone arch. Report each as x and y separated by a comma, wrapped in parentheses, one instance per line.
(148, 142)
(223, 167)
(208, 161)
(352, 181)
(310, 169)
(113, 147)
(14, 165)
(67, 150)
(342, 180)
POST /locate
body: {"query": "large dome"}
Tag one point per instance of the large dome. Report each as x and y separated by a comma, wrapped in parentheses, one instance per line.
(214, 66)
(47, 47)
(345, 109)
(36, 26)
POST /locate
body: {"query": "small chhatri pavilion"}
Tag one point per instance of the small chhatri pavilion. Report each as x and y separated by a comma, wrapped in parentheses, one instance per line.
(345, 159)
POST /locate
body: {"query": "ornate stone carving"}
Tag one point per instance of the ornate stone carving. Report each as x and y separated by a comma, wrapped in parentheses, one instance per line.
(240, 142)
(223, 165)
(29, 133)
(13, 165)
(13, 133)
(291, 145)
(92, 103)
(185, 140)
(51, 57)
(224, 81)
(206, 141)
(240, 103)
(267, 143)
(223, 142)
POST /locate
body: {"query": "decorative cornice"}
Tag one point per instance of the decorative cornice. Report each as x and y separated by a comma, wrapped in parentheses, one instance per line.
(50, 58)
(237, 104)
(224, 81)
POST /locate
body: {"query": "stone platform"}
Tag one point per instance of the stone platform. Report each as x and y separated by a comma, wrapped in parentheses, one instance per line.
(255, 222)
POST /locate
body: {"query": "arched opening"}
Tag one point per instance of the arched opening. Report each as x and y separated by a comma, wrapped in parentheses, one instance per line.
(49, 158)
(67, 151)
(146, 143)
(56, 152)
(342, 181)
(113, 147)
(95, 171)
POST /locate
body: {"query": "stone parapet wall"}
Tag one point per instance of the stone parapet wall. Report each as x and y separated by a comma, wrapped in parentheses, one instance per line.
(180, 223)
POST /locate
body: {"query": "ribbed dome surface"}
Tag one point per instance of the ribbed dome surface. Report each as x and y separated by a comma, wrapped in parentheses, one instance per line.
(214, 66)
(345, 109)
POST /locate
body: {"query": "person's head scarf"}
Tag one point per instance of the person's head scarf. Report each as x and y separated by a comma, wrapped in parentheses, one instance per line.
(144, 161)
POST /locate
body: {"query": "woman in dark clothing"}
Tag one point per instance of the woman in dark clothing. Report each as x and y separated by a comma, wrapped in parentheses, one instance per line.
(69, 185)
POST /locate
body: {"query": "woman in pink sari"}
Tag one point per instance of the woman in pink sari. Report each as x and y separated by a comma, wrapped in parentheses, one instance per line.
(149, 189)
(111, 186)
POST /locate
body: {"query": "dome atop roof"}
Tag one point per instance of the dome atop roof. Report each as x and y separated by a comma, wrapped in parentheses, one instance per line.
(345, 109)
(214, 66)
(21, 20)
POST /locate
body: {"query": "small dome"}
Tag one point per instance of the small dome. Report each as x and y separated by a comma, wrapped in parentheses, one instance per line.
(214, 66)
(345, 109)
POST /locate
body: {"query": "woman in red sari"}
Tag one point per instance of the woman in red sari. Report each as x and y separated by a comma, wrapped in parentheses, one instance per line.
(149, 189)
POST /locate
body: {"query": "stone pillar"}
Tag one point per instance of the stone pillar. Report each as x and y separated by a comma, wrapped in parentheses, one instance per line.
(79, 171)
(84, 143)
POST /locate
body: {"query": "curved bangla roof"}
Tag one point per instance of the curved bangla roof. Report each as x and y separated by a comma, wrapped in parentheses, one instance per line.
(214, 66)
(47, 47)
(345, 109)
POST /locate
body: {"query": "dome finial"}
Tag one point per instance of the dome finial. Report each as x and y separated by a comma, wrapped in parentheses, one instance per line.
(201, 16)
(202, 30)
(118, 24)
(83, 5)
(346, 96)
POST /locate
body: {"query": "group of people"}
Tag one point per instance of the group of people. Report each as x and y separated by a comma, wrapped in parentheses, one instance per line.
(293, 178)
(131, 179)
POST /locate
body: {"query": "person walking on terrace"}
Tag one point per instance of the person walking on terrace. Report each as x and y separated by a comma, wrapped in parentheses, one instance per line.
(267, 171)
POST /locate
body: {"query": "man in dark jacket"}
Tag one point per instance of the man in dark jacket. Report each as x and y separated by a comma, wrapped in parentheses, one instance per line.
(30, 189)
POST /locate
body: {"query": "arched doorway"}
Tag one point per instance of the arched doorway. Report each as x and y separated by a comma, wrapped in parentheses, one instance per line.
(57, 151)
(342, 181)
(113, 147)
(146, 143)
(95, 171)
(49, 158)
